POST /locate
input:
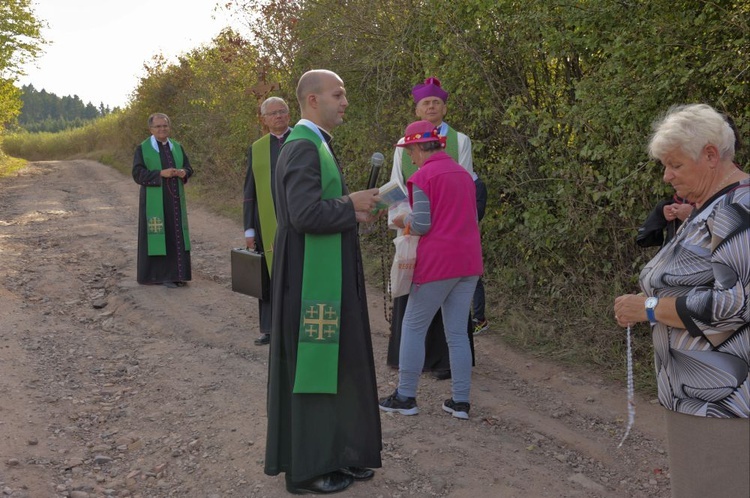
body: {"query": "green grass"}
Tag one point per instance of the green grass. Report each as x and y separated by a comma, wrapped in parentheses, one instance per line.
(9, 166)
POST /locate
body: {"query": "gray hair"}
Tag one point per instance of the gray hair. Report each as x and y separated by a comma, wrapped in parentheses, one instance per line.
(690, 128)
(430, 146)
(269, 101)
(158, 115)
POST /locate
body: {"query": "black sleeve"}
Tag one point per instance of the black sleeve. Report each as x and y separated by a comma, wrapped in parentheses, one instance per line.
(651, 233)
(141, 173)
(481, 197)
(186, 166)
(299, 173)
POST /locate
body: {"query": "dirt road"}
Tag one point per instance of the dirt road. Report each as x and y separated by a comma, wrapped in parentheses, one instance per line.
(109, 388)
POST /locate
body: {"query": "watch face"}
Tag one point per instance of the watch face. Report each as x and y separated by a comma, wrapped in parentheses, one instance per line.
(651, 302)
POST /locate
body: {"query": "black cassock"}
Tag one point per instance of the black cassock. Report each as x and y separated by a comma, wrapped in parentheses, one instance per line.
(175, 266)
(313, 434)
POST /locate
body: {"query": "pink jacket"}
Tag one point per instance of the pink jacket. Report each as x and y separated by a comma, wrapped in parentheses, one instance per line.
(452, 247)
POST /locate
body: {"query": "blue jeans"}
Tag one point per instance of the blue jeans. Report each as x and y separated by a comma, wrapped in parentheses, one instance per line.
(453, 298)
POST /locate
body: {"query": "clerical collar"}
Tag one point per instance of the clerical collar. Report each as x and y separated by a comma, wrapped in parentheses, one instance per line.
(155, 143)
(280, 137)
(327, 134)
(317, 129)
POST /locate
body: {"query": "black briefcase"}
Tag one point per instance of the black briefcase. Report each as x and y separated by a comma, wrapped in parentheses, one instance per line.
(250, 274)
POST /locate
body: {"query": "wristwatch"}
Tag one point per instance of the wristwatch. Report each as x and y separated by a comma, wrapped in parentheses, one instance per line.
(650, 305)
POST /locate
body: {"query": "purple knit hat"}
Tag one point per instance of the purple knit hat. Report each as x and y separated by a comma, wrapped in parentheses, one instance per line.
(430, 88)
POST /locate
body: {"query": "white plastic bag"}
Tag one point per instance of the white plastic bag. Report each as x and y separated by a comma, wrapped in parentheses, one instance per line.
(396, 209)
(402, 270)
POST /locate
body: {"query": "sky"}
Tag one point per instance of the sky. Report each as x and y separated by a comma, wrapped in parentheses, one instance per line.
(98, 47)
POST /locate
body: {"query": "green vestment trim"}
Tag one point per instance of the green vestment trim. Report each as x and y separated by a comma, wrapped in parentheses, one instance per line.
(156, 239)
(261, 153)
(451, 148)
(320, 313)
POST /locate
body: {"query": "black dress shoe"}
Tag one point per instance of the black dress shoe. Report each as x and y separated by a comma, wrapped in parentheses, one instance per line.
(358, 473)
(442, 374)
(171, 285)
(323, 485)
(263, 340)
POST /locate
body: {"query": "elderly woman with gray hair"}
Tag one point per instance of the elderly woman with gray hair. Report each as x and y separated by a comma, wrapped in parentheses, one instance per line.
(696, 296)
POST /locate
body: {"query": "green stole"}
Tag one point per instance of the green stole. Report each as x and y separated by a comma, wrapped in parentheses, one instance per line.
(261, 154)
(156, 239)
(320, 312)
(451, 148)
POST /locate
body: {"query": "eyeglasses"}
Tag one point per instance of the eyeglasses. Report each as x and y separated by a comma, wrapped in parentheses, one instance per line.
(160, 126)
(280, 112)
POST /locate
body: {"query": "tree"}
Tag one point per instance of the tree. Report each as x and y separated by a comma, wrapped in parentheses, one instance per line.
(20, 42)
(44, 111)
(208, 96)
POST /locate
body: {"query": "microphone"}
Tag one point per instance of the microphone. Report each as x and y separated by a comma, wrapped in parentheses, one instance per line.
(376, 162)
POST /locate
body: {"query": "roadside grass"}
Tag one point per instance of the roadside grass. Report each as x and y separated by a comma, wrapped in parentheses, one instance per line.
(9, 166)
(579, 339)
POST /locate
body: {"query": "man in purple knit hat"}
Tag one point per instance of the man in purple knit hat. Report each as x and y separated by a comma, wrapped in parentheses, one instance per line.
(430, 101)
(431, 105)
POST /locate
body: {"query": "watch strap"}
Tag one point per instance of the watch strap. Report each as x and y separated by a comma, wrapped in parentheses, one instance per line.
(651, 304)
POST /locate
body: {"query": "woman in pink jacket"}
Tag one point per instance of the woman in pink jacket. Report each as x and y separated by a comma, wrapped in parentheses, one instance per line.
(442, 196)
